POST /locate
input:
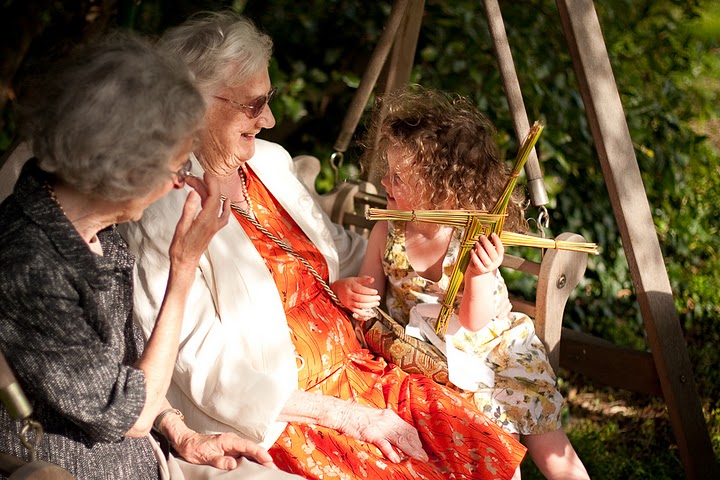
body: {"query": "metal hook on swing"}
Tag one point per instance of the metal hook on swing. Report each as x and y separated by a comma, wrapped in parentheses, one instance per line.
(336, 162)
(543, 220)
(29, 424)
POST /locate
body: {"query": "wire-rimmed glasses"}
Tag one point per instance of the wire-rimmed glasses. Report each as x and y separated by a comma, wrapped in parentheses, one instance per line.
(252, 110)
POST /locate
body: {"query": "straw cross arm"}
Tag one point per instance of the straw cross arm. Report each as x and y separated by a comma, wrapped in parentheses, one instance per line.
(513, 239)
(483, 222)
(475, 223)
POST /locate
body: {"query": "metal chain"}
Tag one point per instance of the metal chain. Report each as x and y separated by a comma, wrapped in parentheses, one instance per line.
(336, 162)
(543, 219)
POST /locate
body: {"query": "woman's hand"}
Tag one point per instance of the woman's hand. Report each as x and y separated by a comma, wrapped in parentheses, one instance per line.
(356, 297)
(486, 257)
(220, 450)
(194, 231)
(381, 427)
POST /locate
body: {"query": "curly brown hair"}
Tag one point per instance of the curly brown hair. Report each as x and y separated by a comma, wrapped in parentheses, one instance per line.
(452, 154)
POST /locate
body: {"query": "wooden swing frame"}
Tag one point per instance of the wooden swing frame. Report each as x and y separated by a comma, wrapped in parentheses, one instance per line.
(665, 371)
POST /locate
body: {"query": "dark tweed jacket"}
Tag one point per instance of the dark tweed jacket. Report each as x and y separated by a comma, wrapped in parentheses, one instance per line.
(67, 332)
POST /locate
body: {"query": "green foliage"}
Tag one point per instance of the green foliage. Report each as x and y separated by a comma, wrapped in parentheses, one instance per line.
(664, 59)
(635, 460)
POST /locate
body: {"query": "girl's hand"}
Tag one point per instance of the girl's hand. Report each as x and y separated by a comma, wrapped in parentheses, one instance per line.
(356, 297)
(486, 257)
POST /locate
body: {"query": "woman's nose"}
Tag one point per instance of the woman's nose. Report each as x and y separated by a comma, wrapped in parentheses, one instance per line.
(266, 119)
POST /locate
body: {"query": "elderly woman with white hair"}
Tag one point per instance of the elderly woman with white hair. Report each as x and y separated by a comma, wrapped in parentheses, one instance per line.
(111, 129)
(265, 351)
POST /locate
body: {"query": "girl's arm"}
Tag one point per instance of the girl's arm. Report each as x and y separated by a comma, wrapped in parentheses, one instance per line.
(477, 306)
(363, 293)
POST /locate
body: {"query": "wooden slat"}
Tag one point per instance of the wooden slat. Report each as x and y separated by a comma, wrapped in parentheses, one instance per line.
(605, 362)
(523, 306)
(354, 221)
(521, 264)
(371, 200)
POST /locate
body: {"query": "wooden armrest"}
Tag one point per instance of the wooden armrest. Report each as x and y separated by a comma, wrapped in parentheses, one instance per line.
(560, 273)
(11, 164)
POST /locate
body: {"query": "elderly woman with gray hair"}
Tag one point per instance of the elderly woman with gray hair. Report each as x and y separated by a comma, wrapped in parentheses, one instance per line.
(111, 131)
(265, 352)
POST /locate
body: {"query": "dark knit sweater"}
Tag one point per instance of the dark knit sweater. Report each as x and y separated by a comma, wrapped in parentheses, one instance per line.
(67, 332)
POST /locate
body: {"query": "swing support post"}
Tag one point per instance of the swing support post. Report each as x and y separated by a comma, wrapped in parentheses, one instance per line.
(632, 213)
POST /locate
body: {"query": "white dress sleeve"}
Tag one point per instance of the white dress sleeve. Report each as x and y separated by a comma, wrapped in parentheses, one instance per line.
(224, 380)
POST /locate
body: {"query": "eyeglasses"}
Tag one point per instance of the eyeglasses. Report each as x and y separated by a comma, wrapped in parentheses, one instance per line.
(254, 109)
(184, 172)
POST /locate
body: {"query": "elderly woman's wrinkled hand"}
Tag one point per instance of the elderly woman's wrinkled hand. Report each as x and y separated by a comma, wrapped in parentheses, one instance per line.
(382, 427)
(221, 450)
(195, 230)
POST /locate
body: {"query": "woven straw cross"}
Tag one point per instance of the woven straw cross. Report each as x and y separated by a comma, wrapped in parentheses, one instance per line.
(477, 223)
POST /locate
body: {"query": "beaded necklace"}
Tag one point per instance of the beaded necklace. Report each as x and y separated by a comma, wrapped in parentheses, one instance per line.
(245, 191)
(53, 197)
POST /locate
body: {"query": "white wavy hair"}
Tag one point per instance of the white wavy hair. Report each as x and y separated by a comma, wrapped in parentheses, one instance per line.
(223, 49)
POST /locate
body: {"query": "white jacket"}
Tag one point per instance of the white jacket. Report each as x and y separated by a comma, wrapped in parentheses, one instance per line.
(236, 366)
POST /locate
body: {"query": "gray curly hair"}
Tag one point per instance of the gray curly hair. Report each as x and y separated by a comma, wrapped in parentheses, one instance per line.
(223, 49)
(108, 119)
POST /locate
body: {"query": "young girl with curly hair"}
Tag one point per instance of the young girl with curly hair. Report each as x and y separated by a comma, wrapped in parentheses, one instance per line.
(440, 153)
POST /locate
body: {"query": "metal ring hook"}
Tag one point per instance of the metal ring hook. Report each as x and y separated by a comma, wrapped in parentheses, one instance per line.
(336, 166)
(32, 447)
(543, 219)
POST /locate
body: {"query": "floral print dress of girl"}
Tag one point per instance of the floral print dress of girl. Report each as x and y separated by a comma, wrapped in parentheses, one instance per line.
(522, 397)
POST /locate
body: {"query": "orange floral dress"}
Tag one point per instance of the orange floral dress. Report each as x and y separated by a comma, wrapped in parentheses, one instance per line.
(461, 442)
